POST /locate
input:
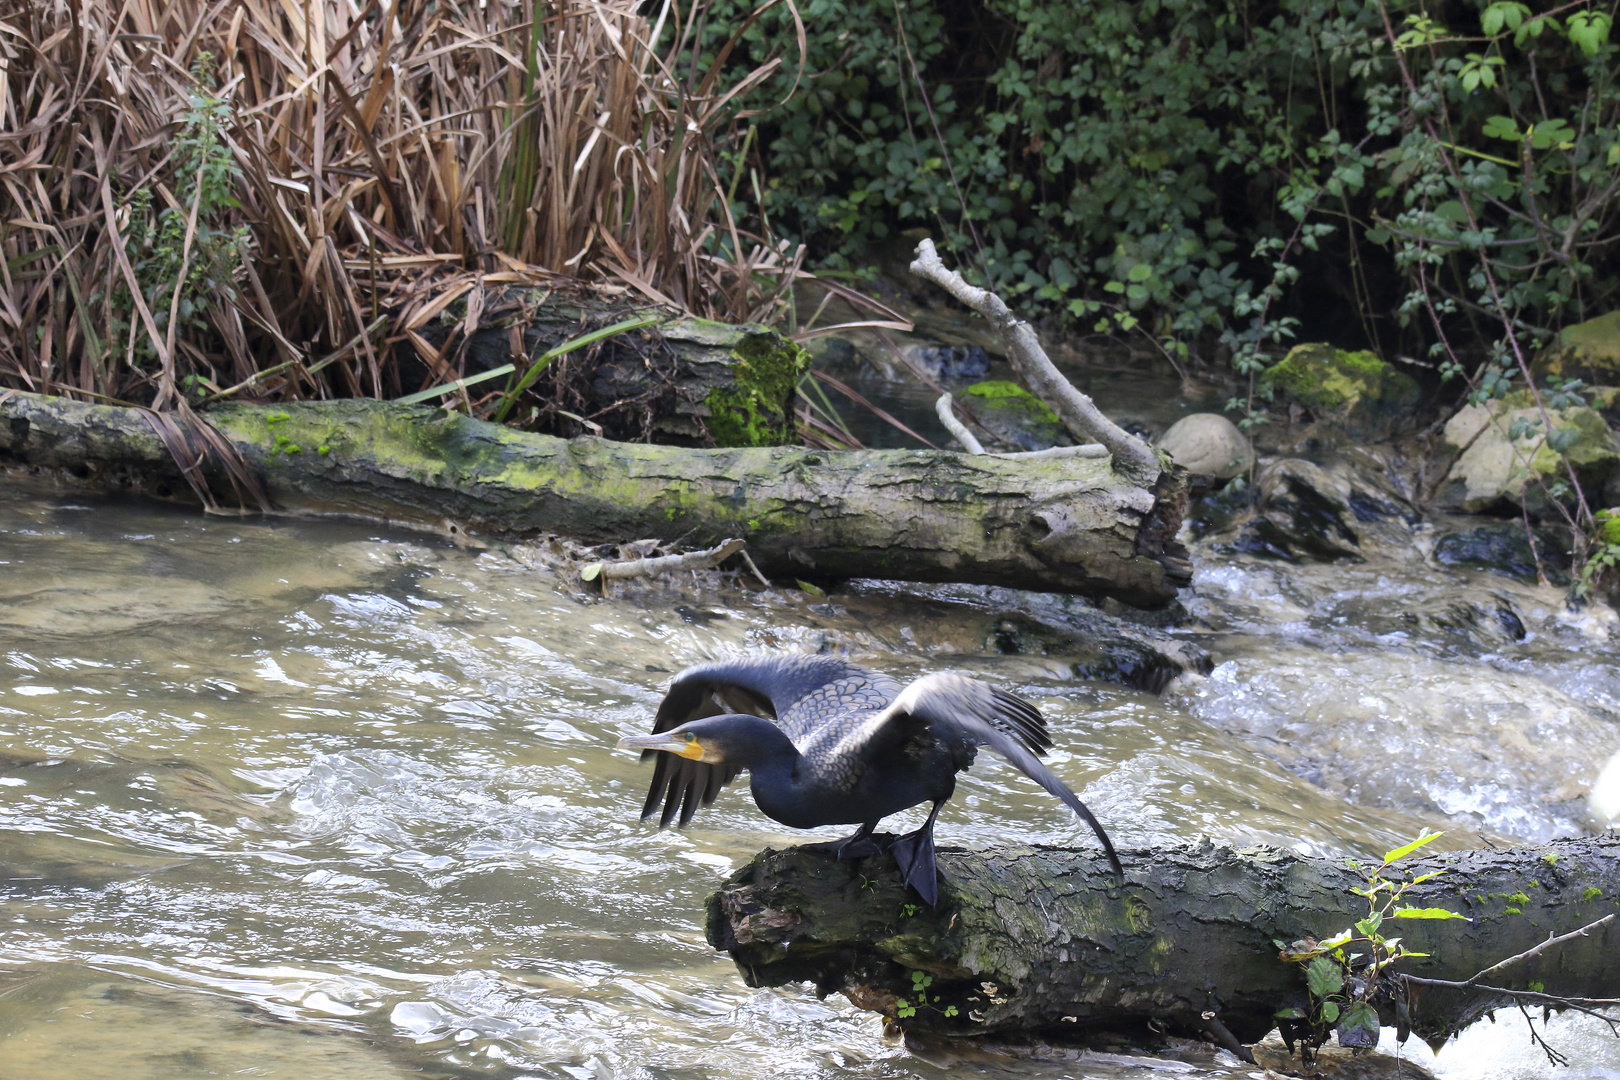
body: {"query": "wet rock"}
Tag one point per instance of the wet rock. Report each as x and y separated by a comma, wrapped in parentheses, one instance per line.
(1304, 513)
(1208, 445)
(1588, 350)
(1503, 456)
(1012, 414)
(833, 352)
(1300, 511)
(1506, 548)
(1220, 511)
(1453, 741)
(1354, 386)
(1468, 625)
(949, 363)
(1340, 1062)
(1091, 643)
(1108, 649)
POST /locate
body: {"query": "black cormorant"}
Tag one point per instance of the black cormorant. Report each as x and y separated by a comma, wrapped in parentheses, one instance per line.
(829, 743)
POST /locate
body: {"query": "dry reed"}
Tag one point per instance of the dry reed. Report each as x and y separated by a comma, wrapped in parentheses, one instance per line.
(385, 160)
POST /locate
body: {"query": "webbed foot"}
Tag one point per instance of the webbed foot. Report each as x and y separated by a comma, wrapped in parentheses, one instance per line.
(914, 853)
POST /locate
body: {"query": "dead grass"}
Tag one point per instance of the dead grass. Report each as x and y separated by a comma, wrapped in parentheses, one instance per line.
(391, 160)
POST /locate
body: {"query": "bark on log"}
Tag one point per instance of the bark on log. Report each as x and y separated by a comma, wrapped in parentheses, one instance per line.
(683, 381)
(1051, 524)
(1043, 942)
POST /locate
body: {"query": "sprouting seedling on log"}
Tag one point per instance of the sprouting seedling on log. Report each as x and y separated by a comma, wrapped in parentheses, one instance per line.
(1344, 984)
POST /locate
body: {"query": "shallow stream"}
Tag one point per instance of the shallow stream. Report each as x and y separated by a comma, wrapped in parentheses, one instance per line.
(318, 799)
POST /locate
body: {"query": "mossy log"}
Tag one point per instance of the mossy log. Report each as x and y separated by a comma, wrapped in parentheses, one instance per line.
(1043, 942)
(1065, 524)
(684, 380)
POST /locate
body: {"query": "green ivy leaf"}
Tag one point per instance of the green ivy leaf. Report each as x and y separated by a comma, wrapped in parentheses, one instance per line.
(1503, 127)
(1330, 1011)
(1140, 272)
(1589, 30)
(1359, 1026)
(1323, 977)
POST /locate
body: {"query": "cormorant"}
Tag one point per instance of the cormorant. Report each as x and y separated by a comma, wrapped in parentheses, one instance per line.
(829, 743)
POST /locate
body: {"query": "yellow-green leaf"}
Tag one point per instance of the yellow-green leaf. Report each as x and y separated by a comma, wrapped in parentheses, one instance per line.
(1425, 913)
(1406, 849)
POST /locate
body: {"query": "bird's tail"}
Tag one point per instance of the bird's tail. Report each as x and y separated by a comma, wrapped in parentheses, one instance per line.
(1034, 768)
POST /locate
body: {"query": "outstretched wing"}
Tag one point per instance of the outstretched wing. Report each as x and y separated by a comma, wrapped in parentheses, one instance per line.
(964, 708)
(765, 686)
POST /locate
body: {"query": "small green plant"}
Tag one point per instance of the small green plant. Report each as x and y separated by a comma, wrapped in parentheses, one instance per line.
(1602, 553)
(204, 174)
(920, 982)
(1344, 973)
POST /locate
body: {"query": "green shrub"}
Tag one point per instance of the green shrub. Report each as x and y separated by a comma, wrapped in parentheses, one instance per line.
(1208, 171)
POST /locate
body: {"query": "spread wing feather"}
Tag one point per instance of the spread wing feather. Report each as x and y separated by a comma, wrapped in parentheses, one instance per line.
(765, 686)
(954, 705)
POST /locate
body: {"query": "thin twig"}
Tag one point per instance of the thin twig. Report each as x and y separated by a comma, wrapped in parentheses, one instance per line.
(1527, 954)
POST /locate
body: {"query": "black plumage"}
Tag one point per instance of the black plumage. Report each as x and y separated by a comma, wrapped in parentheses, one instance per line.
(828, 743)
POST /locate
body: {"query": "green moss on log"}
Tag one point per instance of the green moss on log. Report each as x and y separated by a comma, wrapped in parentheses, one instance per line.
(757, 410)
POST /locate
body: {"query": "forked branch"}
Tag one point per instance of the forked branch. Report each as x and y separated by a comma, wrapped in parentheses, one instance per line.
(1134, 459)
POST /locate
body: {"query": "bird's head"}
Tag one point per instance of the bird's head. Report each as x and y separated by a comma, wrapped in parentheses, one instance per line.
(733, 739)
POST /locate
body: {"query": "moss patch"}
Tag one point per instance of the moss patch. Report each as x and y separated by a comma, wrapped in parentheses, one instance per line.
(1335, 380)
(757, 410)
(1012, 414)
(1588, 350)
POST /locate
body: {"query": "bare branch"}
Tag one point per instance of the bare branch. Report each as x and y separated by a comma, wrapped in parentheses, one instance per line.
(958, 430)
(1549, 943)
(1134, 459)
(662, 564)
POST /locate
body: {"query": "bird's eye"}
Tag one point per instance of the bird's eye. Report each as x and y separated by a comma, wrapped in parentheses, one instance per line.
(691, 737)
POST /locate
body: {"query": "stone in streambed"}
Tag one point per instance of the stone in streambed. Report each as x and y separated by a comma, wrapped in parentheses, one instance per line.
(1012, 414)
(1208, 445)
(1588, 350)
(1503, 456)
(1354, 386)
(1304, 513)
(1504, 547)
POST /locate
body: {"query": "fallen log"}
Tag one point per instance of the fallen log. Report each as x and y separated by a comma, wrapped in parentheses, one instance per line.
(1054, 524)
(683, 380)
(1042, 943)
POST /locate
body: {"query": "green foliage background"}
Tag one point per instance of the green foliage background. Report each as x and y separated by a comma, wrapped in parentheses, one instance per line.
(1213, 171)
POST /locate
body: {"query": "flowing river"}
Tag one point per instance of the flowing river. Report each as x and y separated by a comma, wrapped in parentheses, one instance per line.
(319, 799)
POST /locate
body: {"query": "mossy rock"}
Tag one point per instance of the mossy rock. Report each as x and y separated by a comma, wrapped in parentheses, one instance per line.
(1012, 414)
(1588, 350)
(1501, 446)
(1334, 381)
